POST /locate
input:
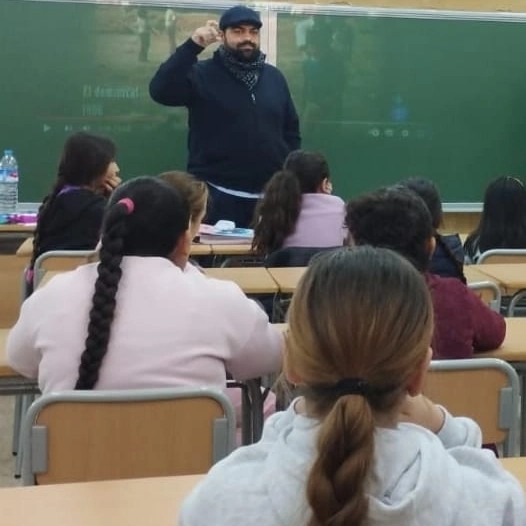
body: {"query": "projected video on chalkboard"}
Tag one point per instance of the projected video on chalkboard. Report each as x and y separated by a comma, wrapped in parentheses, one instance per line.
(79, 66)
(391, 97)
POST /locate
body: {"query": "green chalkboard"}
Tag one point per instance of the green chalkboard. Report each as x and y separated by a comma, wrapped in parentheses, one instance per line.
(387, 97)
(383, 96)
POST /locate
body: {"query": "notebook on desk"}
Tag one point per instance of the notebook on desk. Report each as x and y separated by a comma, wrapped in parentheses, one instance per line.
(212, 234)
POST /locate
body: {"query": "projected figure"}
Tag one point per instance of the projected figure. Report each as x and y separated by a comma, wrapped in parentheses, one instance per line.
(169, 24)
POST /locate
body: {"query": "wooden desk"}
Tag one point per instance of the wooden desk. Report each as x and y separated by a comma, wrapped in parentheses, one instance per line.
(513, 349)
(5, 370)
(25, 250)
(517, 467)
(474, 274)
(17, 228)
(11, 383)
(132, 502)
(287, 278)
(510, 276)
(200, 249)
(239, 249)
(252, 280)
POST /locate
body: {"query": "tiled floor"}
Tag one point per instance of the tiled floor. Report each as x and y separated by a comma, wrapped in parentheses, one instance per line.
(7, 460)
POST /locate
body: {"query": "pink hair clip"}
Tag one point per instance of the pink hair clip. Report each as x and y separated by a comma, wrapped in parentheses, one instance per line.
(128, 203)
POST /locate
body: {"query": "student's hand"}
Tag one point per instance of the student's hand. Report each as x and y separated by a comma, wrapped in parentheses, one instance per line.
(421, 411)
(110, 183)
(206, 35)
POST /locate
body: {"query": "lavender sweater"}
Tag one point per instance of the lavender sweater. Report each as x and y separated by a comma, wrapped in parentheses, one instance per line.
(320, 223)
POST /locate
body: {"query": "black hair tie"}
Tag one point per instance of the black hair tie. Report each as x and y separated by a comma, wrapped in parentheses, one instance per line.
(351, 386)
(344, 387)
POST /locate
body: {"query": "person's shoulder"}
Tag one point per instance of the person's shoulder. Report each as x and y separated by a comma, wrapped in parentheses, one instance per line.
(435, 281)
(238, 486)
(274, 72)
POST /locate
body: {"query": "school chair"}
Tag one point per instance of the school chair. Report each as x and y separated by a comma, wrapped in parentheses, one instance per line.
(61, 260)
(290, 257)
(52, 260)
(75, 436)
(503, 255)
(489, 293)
(507, 255)
(294, 256)
(486, 390)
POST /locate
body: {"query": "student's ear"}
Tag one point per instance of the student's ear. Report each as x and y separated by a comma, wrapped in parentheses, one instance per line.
(181, 252)
(431, 245)
(417, 379)
(288, 371)
(326, 186)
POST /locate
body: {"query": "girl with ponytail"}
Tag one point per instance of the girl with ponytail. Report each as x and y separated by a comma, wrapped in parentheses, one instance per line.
(362, 447)
(137, 319)
(297, 209)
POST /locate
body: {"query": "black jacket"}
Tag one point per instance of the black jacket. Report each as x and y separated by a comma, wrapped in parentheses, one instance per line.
(73, 221)
(237, 138)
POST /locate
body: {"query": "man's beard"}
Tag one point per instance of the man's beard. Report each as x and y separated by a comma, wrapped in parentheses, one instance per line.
(247, 54)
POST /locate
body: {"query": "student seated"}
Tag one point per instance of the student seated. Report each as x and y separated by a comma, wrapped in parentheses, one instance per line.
(194, 191)
(503, 220)
(398, 219)
(297, 209)
(136, 320)
(70, 217)
(363, 446)
(448, 258)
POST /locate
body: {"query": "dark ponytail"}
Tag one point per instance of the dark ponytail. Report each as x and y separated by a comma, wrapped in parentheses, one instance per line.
(103, 307)
(459, 266)
(277, 212)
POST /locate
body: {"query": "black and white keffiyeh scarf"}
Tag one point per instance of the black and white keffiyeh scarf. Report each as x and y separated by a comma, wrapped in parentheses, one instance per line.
(246, 72)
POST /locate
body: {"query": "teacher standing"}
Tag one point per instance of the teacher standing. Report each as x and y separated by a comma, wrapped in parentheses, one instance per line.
(241, 117)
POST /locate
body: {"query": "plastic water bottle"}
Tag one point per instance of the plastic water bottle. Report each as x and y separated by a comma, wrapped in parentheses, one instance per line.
(8, 183)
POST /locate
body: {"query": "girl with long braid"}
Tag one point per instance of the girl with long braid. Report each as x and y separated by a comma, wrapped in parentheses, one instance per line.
(362, 447)
(70, 217)
(137, 319)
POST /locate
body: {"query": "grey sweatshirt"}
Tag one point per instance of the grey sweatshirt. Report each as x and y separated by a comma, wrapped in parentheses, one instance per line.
(419, 479)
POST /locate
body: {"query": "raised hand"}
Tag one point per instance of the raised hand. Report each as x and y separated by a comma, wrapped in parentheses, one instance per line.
(207, 34)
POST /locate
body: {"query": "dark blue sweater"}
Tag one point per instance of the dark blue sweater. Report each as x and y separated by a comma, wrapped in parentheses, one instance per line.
(237, 138)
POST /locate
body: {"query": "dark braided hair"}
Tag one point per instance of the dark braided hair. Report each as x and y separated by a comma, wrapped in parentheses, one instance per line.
(146, 217)
(277, 212)
(85, 158)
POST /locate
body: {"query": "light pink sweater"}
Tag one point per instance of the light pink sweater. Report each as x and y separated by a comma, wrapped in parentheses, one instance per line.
(171, 328)
(321, 222)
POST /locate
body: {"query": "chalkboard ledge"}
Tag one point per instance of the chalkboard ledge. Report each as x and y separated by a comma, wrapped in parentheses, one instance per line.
(462, 207)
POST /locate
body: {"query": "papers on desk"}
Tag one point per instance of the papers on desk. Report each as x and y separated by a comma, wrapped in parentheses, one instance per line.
(219, 235)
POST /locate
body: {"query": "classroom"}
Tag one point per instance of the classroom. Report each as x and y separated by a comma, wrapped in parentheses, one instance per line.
(383, 106)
